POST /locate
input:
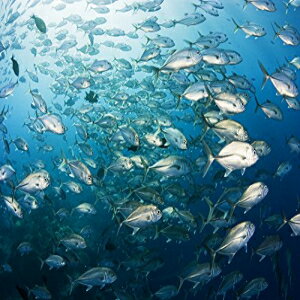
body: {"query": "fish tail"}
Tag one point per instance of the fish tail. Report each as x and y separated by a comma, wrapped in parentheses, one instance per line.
(212, 253)
(275, 32)
(178, 100)
(195, 6)
(204, 223)
(189, 43)
(42, 263)
(245, 4)
(257, 104)
(119, 228)
(147, 40)
(146, 173)
(136, 27)
(210, 158)
(233, 206)
(266, 74)
(287, 61)
(64, 160)
(105, 171)
(206, 128)
(210, 94)
(71, 213)
(252, 253)
(73, 284)
(211, 207)
(284, 221)
(287, 5)
(156, 232)
(237, 26)
(181, 281)
(156, 72)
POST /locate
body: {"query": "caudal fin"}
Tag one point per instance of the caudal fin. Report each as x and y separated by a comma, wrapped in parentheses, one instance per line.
(180, 284)
(210, 158)
(266, 74)
(237, 26)
(284, 221)
(257, 104)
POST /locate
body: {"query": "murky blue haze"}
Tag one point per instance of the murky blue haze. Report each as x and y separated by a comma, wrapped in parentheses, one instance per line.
(43, 228)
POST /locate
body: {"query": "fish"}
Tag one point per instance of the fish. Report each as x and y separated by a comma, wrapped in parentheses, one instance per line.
(269, 246)
(172, 166)
(250, 29)
(143, 216)
(73, 241)
(77, 169)
(254, 194)
(13, 206)
(6, 171)
(234, 156)
(52, 123)
(282, 83)
(264, 5)
(199, 273)
(181, 59)
(293, 223)
(254, 288)
(237, 238)
(15, 66)
(40, 24)
(116, 112)
(98, 276)
(271, 110)
(54, 262)
(34, 182)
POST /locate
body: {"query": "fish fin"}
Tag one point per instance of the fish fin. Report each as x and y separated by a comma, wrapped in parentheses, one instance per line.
(275, 32)
(119, 228)
(212, 253)
(195, 285)
(266, 74)
(204, 223)
(257, 104)
(189, 43)
(135, 230)
(262, 257)
(237, 26)
(210, 158)
(245, 5)
(89, 287)
(231, 256)
(73, 284)
(227, 173)
(243, 171)
(284, 221)
(42, 263)
(180, 283)
(233, 206)
(156, 72)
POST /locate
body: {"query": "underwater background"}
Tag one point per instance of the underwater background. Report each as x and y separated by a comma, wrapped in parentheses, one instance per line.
(51, 71)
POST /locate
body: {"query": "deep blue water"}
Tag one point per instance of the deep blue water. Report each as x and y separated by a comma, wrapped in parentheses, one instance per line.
(43, 229)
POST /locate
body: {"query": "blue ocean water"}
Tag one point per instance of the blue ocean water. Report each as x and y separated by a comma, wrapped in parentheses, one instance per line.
(44, 229)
